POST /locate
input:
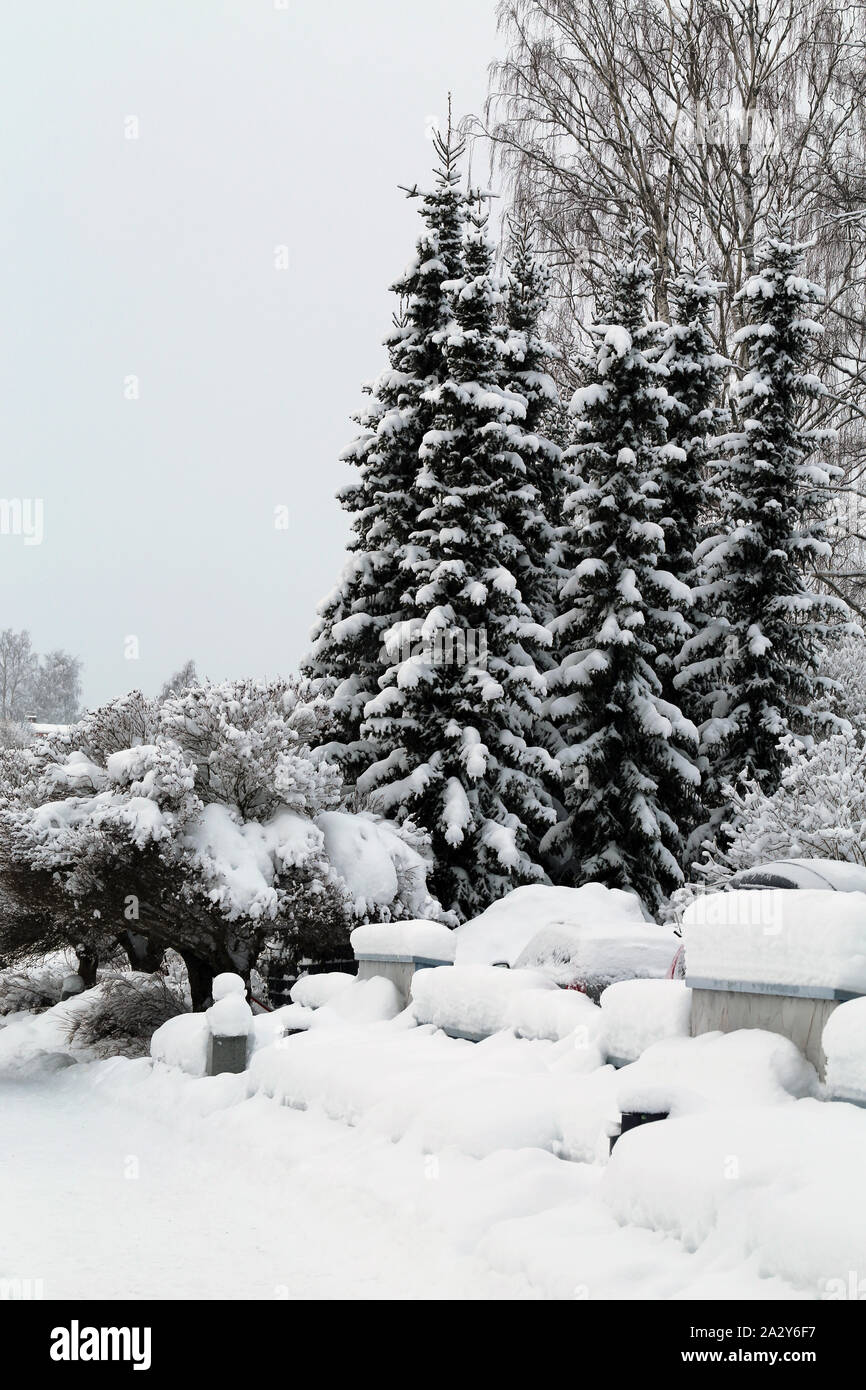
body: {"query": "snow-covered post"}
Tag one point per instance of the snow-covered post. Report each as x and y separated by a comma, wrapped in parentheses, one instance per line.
(396, 950)
(230, 1020)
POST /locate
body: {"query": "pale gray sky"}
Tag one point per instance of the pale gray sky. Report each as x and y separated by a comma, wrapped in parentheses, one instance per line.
(258, 126)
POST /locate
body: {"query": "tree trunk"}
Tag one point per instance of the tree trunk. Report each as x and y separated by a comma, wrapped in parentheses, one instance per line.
(144, 953)
(200, 980)
(88, 960)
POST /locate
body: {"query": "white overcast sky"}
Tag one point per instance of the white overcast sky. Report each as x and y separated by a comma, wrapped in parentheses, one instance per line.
(258, 127)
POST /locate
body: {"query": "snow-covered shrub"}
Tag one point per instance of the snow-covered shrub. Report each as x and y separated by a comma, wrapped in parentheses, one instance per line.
(122, 1014)
(818, 811)
(30, 989)
(194, 822)
(845, 663)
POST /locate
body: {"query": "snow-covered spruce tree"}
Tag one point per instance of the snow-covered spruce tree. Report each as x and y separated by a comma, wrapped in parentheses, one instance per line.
(534, 512)
(346, 656)
(627, 753)
(695, 375)
(755, 668)
(460, 700)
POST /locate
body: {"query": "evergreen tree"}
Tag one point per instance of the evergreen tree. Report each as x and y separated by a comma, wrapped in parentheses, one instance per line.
(535, 509)
(695, 375)
(459, 701)
(346, 659)
(755, 666)
(627, 752)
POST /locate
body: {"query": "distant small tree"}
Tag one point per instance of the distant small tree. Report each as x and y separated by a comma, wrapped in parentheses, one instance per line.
(47, 687)
(18, 664)
(184, 677)
(55, 694)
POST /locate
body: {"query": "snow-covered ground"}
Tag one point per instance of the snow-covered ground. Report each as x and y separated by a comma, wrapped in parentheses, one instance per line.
(405, 1164)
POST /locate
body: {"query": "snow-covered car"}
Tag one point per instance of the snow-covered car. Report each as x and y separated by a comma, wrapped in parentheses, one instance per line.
(582, 938)
(834, 874)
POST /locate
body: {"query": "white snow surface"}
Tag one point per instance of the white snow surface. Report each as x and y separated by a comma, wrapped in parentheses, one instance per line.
(431, 940)
(793, 937)
(400, 1163)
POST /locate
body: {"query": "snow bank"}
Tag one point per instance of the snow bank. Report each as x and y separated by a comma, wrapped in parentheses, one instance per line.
(182, 1042)
(474, 999)
(844, 1043)
(638, 1013)
(312, 991)
(506, 928)
(38, 1042)
(480, 1000)
(272, 1027)
(790, 937)
(433, 1093)
(716, 1070)
(368, 1001)
(776, 1189)
(430, 940)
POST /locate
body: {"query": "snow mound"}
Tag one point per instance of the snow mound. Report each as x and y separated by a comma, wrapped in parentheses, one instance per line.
(716, 1070)
(638, 1013)
(226, 985)
(844, 1043)
(778, 937)
(420, 1088)
(368, 1001)
(182, 1042)
(430, 940)
(480, 1000)
(230, 1017)
(312, 991)
(779, 1189)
